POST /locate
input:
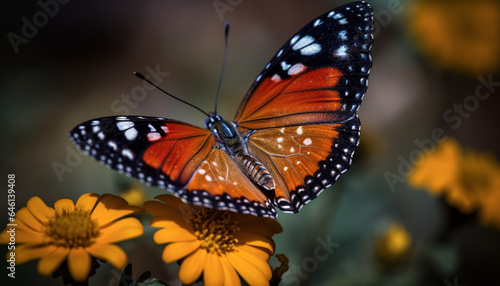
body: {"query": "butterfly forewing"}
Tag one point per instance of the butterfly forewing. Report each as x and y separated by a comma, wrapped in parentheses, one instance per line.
(157, 151)
(300, 115)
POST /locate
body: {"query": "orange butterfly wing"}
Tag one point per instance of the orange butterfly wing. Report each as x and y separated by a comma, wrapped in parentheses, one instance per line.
(220, 182)
(299, 118)
(201, 173)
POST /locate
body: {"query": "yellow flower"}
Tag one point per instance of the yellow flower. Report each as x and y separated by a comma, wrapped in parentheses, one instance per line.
(219, 244)
(393, 245)
(437, 169)
(458, 34)
(135, 195)
(469, 180)
(73, 233)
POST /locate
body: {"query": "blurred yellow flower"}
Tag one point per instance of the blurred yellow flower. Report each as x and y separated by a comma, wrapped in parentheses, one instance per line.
(437, 169)
(135, 195)
(393, 245)
(73, 233)
(219, 244)
(460, 34)
(469, 180)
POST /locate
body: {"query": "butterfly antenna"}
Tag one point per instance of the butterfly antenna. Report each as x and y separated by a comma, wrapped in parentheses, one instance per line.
(226, 33)
(139, 75)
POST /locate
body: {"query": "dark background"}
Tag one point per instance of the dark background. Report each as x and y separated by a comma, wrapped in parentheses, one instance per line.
(79, 64)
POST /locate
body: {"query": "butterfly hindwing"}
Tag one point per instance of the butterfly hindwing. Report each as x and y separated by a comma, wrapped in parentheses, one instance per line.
(300, 115)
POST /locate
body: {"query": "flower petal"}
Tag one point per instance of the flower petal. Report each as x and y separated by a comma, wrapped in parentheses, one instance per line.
(64, 205)
(252, 274)
(87, 201)
(178, 250)
(261, 253)
(110, 253)
(113, 214)
(171, 201)
(107, 202)
(167, 235)
(26, 217)
(181, 213)
(213, 273)
(52, 260)
(123, 229)
(255, 240)
(161, 221)
(26, 252)
(230, 276)
(29, 236)
(79, 263)
(192, 266)
(39, 209)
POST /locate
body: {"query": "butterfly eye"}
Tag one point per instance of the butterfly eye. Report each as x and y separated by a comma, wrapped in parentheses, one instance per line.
(212, 119)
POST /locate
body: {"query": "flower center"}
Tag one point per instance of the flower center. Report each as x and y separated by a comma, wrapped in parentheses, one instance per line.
(215, 230)
(72, 229)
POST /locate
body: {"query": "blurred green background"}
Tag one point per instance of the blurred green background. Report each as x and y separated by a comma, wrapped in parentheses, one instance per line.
(429, 57)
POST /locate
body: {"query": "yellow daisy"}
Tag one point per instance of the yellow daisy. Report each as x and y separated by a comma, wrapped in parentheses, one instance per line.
(72, 234)
(469, 180)
(218, 244)
(460, 34)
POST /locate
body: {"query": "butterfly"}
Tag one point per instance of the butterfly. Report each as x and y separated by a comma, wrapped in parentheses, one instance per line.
(294, 133)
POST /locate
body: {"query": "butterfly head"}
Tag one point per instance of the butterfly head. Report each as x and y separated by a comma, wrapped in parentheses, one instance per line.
(213, 119)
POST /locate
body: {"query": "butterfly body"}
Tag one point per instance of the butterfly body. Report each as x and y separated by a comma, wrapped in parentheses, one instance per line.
(293, 135)
(228, 139)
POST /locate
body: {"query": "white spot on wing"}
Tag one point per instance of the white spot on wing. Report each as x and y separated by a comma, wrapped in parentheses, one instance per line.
(202, 171)
(304, 41)
(280, 139)
(311, 50)
(128, 153)
(341, 52)
(122, 125)
(296, 69)
(343, 35)
(285, 66)
(294, 39)
(208, 178)
(113, 145)
(307, 141)
(131, 134)
(101, 135)
(153, 136)
(276, 77)
(299, 130)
